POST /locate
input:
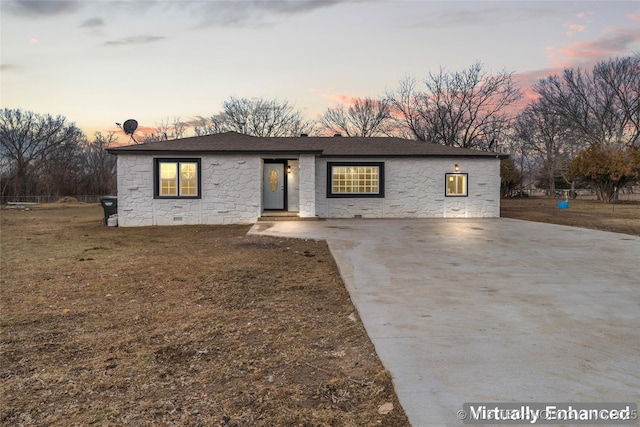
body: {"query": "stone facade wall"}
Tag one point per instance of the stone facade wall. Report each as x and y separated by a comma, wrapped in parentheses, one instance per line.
(307, 185)
(415, 188)
(293, 186)
(230, 193)
(135, 191)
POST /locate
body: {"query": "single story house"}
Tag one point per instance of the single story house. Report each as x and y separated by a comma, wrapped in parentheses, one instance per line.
(235, 178)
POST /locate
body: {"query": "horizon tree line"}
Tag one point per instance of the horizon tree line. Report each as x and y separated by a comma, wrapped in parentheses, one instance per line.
(576, 119)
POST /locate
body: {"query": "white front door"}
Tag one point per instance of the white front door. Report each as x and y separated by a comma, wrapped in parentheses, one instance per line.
(273, 186)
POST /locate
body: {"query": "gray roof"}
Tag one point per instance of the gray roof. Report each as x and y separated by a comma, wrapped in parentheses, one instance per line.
(236, 143)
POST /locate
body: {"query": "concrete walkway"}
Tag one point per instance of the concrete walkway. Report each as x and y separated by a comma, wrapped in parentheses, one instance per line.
(490, 310)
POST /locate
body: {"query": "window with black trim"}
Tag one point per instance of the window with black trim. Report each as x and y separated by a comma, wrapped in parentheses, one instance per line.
(456, 184)
(357, 179)
(177, 178)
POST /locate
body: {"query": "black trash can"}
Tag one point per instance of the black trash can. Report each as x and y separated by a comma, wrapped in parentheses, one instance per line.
(110, 206)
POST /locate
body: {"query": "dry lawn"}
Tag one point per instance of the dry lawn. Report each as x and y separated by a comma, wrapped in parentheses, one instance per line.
(623, 217)
(194, 325)
(189, 326)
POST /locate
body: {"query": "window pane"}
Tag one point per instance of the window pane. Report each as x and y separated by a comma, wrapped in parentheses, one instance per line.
(187, 170)
(451, 185)
(168, 170)
(188, 188)
(168, 187)
(168, 179)
(177, 179)
(355, 180)
(456, 185)
(188, 174)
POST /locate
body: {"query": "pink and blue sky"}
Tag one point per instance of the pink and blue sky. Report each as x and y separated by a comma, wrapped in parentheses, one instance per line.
(101, 62)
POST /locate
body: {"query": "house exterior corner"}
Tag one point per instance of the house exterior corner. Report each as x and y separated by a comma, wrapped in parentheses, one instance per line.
(230, 193)
(416, 188)
(232, 178)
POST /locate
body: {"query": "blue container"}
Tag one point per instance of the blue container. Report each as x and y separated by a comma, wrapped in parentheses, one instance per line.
(563, 205)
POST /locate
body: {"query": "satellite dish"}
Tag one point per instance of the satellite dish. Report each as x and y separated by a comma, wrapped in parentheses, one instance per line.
(130, 126)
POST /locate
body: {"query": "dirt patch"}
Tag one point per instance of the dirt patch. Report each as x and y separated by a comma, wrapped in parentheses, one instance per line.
(623, 217)
(189, 325)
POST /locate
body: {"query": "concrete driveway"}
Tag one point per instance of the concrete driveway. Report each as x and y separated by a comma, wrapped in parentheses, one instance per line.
(490, 310)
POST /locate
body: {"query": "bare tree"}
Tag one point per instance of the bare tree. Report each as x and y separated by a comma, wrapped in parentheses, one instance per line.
(549, 137)
(264, 118)
(366, 117)
(525, 160)
(468, 108)
(29, 140)
(166, 130)
(61, 173)
(98, 166)
(510, 177)
(406, 108)
(217, 123)
(602, 106)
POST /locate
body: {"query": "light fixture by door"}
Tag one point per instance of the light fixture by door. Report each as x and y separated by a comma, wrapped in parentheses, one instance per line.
(288, 168)
(456, 168)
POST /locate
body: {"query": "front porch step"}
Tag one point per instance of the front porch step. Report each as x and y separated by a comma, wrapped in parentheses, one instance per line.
(285, 216)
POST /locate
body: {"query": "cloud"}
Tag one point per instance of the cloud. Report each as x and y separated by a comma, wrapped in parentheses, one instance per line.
(134, 40)
(144, 131)
(10, 67)
(253, 12)
(575, 27)
(526, 80)
(92, 23)
(211, 12)
(483, 16)
(296, 6)
(336, 97)
(585, 54)
(635, 17)
(42, 8)
(615, 42)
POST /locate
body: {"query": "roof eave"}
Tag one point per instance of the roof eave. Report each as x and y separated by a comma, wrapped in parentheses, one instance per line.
(116, 151)
(447, 155)
(319, 153)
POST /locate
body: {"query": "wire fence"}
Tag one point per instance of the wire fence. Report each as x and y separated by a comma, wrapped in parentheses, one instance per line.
(36, 200)
(630, 193)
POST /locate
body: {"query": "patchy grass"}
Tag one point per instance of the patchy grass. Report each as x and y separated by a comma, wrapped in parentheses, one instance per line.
(623, 217)
(190, 325)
